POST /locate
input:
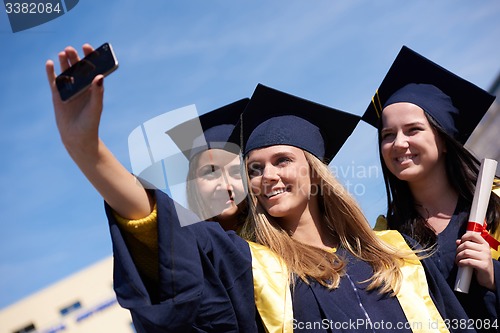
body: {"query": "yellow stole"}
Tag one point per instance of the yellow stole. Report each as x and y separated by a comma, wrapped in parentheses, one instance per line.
(271, 288)
(274, 302)
(496, 253)
(414, 295)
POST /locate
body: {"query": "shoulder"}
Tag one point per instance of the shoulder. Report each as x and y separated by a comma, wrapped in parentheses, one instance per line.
(392, 237)
(381, 223)
(262, 252)
(263, 257)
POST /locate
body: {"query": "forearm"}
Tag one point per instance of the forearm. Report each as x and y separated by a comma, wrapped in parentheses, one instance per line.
(119, 188)
(78, 124)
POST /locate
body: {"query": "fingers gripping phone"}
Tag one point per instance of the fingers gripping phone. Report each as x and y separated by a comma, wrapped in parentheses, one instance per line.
(78, 77)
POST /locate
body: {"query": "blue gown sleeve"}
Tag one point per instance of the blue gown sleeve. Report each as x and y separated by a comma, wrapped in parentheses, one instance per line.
(443, 296)
(480, 304)
(205, 275)
(493, 304)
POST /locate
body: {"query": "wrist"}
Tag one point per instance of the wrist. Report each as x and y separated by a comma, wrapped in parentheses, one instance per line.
(82, 147)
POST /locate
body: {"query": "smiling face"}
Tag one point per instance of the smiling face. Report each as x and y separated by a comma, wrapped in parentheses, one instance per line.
(217, 179)
(410, 147)
(280, 180)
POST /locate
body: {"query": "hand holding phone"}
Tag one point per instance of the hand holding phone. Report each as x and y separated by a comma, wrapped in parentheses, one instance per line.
(78, 77)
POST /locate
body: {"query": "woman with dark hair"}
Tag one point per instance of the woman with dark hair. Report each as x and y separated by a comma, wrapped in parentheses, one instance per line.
(424, 115)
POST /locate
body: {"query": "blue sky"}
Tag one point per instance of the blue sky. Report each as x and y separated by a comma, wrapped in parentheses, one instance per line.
(208, 53)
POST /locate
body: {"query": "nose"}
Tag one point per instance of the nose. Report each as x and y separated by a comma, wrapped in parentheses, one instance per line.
(270, 174)
(229, 186)
(401, 141)
(223, 180)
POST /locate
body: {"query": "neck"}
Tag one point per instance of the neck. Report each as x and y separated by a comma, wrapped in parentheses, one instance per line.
(437, 195)
(435, 200)
(310, 227)
(228, 223)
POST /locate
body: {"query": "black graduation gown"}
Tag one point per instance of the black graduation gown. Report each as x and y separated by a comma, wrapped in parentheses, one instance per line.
(481, 304)
(206, 285)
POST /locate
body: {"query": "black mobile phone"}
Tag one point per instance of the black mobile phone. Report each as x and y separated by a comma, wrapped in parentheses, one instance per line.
(78, 77)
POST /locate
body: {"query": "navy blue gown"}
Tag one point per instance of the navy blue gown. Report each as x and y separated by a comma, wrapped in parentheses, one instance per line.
(206, 285)
(205, 277)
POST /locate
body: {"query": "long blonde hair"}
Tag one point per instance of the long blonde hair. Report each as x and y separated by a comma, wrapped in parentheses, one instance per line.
(347, 225)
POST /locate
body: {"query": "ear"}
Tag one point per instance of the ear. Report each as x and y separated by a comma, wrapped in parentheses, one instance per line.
(442, 142)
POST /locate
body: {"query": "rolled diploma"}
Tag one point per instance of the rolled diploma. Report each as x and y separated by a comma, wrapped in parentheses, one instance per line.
(477, 214)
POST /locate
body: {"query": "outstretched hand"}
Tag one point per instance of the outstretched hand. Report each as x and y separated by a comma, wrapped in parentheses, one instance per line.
(473, 251)
(77, 119)
(78, 122)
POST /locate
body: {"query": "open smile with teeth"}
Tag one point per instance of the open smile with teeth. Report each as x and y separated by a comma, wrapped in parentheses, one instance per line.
(276, 192)
(405, 158)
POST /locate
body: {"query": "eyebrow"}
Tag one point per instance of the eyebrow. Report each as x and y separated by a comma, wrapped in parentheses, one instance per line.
(206, 166)
(275, 155)
(404, 125)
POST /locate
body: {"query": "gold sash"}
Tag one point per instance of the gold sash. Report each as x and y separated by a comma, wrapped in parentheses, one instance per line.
(496, 253)
(417, 304)
(271, 288)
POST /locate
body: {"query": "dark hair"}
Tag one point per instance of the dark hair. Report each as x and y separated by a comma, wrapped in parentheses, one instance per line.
(462, 170)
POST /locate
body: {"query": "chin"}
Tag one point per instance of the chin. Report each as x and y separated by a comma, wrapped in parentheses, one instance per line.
(228, 212)
(278, 212)
(406, 176)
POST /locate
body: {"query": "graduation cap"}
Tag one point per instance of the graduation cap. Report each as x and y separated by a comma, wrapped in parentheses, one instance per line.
(273, 117)
(455, 104)
(217, 130)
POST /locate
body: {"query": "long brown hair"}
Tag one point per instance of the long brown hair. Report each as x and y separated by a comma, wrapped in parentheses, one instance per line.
(346, 223)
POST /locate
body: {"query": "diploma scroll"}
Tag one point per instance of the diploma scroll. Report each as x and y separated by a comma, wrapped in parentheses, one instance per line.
(477, 215)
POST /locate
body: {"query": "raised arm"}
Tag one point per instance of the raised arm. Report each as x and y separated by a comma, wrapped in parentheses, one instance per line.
(78, 124)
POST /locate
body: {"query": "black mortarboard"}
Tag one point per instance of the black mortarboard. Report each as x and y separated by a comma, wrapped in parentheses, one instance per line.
(273, 117)
(456, 104)
(217, 127)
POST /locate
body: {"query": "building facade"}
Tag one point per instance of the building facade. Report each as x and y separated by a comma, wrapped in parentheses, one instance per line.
(484, 142)
(81, 303)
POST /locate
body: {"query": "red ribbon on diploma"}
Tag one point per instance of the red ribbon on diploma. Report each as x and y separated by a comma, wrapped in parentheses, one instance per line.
(481, 228)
